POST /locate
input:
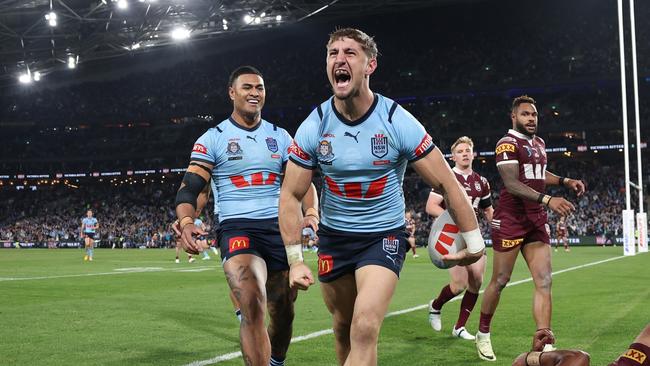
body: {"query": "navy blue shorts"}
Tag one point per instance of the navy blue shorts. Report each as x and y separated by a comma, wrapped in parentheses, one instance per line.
(342, 252)
(258, 237)
(89, 235)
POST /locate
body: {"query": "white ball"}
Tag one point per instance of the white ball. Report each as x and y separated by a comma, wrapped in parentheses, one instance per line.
(444, 239)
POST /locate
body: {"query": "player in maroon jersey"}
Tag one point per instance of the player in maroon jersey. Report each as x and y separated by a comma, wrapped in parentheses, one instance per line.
(469, 277)
(638, 354)
(410, 230)
(520, 222)
(562, 234)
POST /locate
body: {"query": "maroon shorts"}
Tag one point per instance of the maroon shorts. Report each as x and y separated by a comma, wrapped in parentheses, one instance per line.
(511, 231)
(637, 355)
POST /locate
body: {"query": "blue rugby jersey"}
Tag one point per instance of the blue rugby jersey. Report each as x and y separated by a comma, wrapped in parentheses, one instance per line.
(89, 224)
(248, 164)
(362, 162)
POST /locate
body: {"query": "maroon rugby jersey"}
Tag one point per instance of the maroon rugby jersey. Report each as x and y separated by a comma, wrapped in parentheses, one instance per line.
(530, 154)
(476, 187)
(561, 228)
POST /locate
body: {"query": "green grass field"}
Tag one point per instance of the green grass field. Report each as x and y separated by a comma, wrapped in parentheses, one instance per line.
(137, 307)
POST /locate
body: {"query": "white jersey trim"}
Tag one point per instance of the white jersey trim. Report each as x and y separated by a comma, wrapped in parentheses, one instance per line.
(508, 162)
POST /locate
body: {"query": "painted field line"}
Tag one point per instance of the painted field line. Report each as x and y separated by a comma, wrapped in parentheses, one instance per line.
(233, 355)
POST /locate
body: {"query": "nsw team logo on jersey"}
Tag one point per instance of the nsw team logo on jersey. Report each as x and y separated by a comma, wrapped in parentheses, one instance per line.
(325, 152)
(379, 145)
(272, 144)
(390, 244)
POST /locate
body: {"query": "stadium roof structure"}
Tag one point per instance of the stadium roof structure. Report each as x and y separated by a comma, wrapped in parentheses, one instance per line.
(48, 35)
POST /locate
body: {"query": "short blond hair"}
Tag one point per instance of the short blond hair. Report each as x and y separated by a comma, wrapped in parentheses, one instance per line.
(462, 140)
(367, 42)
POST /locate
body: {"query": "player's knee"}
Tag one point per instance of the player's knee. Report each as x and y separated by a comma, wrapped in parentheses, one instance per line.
(365, 329)
(252, 305)
(544, 281)
(502, 281)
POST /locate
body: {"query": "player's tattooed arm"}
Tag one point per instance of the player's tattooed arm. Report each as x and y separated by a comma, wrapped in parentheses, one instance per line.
(510, 175)
(436, 172)
(575, 185)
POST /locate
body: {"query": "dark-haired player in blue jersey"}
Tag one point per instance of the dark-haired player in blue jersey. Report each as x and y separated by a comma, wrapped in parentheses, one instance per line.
(362, 142)
(245, 157)
(88, 230)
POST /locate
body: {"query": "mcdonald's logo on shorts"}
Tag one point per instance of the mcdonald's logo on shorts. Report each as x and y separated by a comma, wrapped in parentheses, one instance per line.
(238, 242)
(325, 264)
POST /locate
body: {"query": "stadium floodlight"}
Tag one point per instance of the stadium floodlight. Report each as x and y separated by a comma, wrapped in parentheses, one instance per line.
(135, 46)
(25, 78)
(51, 19)
(278, 18)
(263, 15)
(72, 62)
(180, 33)
(224, 21)
(248, 19)
(225, 27)
(258, 20)
(37, 76)
(122, 4)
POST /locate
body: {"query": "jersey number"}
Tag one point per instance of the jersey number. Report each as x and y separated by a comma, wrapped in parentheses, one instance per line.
(535, 171)
(256, 179)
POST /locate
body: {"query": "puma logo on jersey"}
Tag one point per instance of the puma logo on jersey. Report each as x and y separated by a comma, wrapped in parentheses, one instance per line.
(252, 138)
(353, 136)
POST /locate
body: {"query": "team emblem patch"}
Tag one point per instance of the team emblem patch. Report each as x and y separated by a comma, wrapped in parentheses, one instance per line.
(238, 242)
(325, 152)
(529, 150)
(272, 144)
(635, 355)
(379, 145)
(233, 148)
(390, 244)
(477, 185)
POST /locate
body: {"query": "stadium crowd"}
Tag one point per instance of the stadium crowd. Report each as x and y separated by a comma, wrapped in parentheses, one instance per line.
(138, 213)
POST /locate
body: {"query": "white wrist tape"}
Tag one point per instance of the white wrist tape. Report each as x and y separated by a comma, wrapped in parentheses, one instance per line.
(294, 253)
(473, 240)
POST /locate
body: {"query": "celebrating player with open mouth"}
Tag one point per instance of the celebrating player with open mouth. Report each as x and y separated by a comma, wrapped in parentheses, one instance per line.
(362, 142)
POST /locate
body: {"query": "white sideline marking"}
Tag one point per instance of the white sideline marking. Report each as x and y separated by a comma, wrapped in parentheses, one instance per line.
(203, 269)
(233, 355)
(118, 271)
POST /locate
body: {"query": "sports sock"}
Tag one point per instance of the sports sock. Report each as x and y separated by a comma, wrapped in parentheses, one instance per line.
(466, 306)
(444, 296)
(277, 361)
(484, 323)
(238, 314)
(205, 254)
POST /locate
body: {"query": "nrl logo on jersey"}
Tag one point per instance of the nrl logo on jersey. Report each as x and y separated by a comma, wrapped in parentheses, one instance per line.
(379, 145)
(272, 144)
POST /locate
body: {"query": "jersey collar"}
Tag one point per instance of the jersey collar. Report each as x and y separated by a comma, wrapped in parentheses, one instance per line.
(520, 135)
(458, 171)
(359, 120)
(244, 128)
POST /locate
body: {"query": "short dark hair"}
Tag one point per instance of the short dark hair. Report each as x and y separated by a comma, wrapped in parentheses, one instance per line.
(242, 70)
(520, 100)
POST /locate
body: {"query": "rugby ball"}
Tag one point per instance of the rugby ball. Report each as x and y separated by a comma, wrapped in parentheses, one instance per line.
(444, 239)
